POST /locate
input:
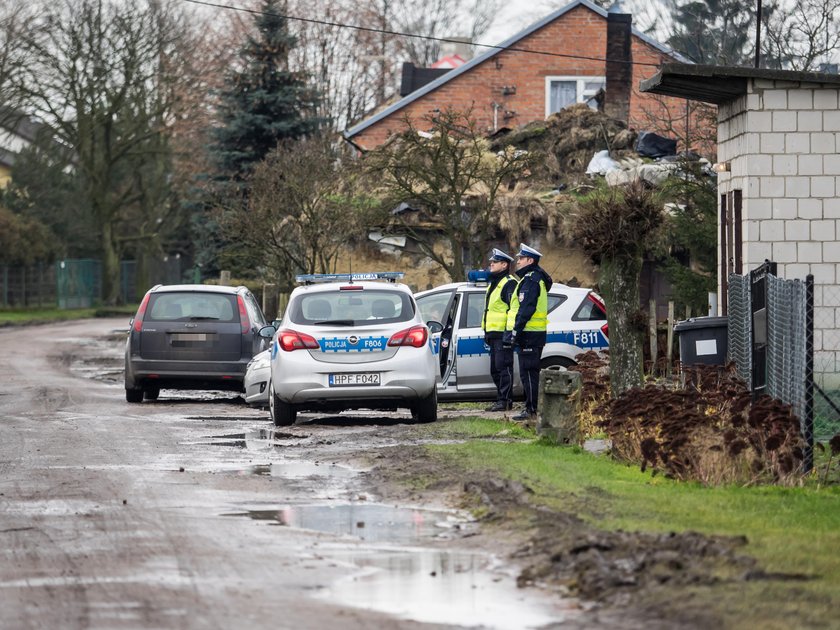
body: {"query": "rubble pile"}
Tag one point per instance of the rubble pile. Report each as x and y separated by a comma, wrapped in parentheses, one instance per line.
(568, 139)
(579, 143)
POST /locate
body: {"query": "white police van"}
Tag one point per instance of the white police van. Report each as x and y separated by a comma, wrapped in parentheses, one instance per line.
(350, 341)
(577, 322)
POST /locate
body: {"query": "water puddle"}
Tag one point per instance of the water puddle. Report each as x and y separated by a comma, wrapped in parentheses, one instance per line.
(370, 522)
(235, 440)
(453, 588)
(301, 470)
(270, 439)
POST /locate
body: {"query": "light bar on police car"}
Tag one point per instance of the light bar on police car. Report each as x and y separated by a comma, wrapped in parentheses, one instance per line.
(311, 278)
(478, 276)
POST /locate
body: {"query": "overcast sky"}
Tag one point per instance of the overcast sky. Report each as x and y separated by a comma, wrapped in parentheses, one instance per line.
(515, 15)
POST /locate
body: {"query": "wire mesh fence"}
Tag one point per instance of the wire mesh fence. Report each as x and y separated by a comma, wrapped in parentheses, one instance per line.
(827, 361)
(771, 341)
(77, 283)
(22, 287)
(786, 342)
(740, 325)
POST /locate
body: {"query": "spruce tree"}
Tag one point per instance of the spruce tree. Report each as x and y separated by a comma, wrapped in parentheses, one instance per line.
(712, 31)
(264, 101)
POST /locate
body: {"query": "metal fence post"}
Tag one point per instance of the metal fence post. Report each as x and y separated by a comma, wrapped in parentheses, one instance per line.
(758, 312)
(808, 420)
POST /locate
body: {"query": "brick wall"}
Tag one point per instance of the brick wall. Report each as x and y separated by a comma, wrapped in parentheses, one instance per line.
(782, 141)
(579, 32)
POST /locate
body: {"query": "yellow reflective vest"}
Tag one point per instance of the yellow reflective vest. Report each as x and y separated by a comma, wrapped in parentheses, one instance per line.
(539, 320)
(496, 309)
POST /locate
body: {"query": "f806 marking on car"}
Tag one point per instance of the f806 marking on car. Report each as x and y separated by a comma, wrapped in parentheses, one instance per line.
(345, 344)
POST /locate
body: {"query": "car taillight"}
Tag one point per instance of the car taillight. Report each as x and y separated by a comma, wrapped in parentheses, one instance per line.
(598, 302)
(138, 319)
(291, 340)
(243, 315)
(606, 330)
(415, 336)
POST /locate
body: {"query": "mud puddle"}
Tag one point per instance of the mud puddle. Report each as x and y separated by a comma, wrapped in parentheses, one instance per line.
(253, 440)
(369, 522)
(301, 470)
(453, 588)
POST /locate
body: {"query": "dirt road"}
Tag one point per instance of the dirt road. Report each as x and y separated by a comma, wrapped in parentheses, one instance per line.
(192, 512)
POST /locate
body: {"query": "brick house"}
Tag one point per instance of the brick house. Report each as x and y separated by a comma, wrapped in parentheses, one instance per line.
(17, 132)
(779, 190)
(506, 87)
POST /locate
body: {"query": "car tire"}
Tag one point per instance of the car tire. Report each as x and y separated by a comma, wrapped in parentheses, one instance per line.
(151, 394)
(283, 414)
(561, 361)
(425, 409)
(134, 395)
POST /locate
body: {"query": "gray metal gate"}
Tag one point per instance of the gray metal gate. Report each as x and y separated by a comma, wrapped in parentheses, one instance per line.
(771, 340)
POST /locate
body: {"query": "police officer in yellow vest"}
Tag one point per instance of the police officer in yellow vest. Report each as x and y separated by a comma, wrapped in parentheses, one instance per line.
(526, 323)
(494, 323)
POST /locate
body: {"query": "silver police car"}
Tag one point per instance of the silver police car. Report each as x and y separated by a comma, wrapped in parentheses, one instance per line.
(350, 341)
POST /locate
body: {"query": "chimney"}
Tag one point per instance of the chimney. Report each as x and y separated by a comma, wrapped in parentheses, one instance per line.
(619, 68)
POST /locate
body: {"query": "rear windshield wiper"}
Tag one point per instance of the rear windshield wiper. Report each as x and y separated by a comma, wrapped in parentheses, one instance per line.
(202, 317)
(335, 322)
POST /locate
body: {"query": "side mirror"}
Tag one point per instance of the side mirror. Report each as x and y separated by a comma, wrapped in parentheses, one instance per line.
(267, 332)
(434, 327)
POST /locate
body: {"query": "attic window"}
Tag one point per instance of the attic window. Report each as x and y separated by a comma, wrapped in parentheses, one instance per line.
(561, 92)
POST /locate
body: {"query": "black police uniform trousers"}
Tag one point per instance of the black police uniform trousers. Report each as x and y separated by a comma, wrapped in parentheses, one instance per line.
(501, 369)
(529, 373)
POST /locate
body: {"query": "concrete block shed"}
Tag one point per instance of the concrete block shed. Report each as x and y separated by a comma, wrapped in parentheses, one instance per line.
(778, 134)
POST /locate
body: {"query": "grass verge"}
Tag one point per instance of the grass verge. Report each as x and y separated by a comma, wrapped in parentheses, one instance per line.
(790, 531)
(20, 317)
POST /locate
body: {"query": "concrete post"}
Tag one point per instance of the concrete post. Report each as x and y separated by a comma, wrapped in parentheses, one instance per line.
(559, 405)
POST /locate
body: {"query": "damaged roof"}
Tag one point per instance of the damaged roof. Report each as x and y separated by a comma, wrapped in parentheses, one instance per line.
(410, 98)
(720, 84)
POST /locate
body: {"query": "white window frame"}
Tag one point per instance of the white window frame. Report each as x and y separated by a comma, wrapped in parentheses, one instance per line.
(581, 82)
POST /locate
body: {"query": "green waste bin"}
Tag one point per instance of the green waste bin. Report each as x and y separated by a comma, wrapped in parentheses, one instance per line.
(703, 340)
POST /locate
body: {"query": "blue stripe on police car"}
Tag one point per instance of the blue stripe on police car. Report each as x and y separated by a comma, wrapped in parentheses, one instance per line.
(589, 339)
(351, 344)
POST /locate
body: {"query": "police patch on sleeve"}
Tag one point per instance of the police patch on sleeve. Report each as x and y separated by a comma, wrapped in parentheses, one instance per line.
(521, 297)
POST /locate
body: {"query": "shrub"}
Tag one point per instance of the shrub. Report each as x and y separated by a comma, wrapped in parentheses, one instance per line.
(705, 429)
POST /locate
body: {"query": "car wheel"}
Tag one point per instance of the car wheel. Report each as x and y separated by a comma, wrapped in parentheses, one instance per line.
(561, 361)
(151, 394)
(283, 414)
(134, 395)
(425, 409)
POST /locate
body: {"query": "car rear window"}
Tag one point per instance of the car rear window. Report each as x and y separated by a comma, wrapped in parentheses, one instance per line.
(352, 308)
(192, 306)
(590, 310)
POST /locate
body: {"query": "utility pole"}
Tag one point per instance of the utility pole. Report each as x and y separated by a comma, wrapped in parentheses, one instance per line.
(758, 34)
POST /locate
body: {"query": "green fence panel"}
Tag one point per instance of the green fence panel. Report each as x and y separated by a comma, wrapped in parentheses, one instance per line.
(78, 283)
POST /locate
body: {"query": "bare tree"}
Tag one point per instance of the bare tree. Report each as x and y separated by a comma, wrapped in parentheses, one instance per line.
(802, 36)
(450, 175)
(302, 209)
(103, 77)
(16, 17)
(358, 70)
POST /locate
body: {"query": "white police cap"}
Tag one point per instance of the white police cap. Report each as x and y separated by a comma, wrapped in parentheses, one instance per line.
(530, 252)
(499, 256)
